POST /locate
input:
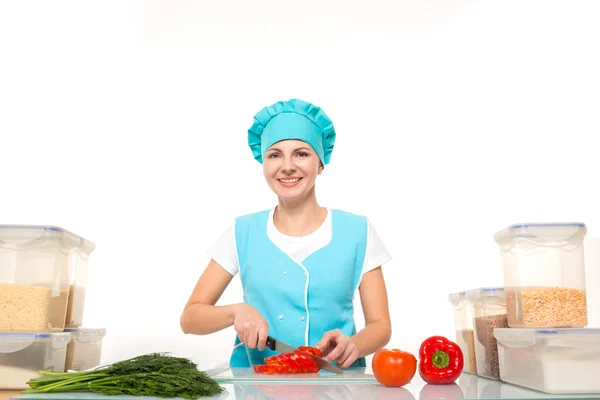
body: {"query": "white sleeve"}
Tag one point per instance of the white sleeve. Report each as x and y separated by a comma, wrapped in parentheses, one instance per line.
(224, 251)
(377, 254)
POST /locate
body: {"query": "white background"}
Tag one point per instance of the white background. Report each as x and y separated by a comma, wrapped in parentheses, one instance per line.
(125, 122)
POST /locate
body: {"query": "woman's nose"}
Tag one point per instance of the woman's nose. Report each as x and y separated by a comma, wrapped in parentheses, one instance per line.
(288, 165)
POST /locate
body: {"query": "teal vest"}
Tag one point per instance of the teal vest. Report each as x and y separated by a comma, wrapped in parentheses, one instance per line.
(300, 301)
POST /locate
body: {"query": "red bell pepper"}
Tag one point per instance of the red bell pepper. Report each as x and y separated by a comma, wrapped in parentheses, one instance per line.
(441, 361)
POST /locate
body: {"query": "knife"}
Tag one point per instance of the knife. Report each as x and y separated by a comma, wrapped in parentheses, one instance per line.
(277, 345)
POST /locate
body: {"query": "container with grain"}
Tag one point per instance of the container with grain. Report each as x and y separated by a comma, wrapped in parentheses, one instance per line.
(544, 275)
(35, 276)
(85, 349)
(463, 324)
(489, 313)
(78, 277)
(558, 361)
(23, 355)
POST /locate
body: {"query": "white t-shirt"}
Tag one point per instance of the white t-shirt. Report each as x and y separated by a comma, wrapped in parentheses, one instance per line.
(224, 252)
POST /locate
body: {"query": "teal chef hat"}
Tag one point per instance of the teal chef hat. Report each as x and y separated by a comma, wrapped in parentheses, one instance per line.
(292, 119)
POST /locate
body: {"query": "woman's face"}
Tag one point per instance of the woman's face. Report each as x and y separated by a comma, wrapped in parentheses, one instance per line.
(291, 168)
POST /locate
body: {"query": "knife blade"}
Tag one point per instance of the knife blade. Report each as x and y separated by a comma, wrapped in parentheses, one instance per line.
(277, 345)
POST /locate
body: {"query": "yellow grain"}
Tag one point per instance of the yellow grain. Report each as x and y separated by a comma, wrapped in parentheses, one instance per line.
(24, 308)
(545, 307)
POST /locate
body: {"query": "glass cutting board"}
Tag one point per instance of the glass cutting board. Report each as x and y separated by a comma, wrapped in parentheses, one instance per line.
(247, 375)
(94, 396)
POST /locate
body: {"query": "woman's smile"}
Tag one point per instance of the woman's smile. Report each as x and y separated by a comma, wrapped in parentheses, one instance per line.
(289, 182)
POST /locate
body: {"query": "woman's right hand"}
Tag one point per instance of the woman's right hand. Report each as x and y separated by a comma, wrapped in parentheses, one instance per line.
(251, 327)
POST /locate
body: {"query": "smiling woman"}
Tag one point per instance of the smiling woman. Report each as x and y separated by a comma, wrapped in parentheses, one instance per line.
(300, 263)
(291, 170)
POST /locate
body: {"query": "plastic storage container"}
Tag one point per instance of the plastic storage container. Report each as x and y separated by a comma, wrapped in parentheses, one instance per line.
(78, 277)
(463, 324)
(34, 277)
(555, 361)
(544, 274)
(85, 349)
(489, 312)
(23, 355)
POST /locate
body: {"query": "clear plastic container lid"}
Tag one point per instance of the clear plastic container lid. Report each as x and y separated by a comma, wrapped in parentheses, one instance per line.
(493, 291)
(542, 233)
(22, 234)
(562, 337)
(87, 334)
(457, 298)
(11, 342)
(488, 299)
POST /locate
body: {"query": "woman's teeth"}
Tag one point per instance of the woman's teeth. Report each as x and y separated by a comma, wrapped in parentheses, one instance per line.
(291, 182)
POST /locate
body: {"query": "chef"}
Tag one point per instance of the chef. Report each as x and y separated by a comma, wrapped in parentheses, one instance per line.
(300, 263)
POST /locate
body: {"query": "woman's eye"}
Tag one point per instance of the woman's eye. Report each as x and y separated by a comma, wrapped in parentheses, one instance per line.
(303, 154)
(273, 155)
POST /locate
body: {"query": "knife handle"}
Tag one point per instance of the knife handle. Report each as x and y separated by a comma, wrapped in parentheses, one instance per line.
(271, 343)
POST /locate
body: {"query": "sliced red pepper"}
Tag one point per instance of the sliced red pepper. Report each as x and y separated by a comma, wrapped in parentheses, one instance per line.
(297, 362)
(273, 360)
(311, 350)
(270, 369)
(306, 362)
(289, 362)
(302, 363)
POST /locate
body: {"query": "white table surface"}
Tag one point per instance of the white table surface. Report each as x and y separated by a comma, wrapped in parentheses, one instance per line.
(467, 387)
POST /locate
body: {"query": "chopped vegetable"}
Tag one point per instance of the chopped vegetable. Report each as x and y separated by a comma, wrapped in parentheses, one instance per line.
(290, 363)
(311, 350)
(270, 369)
(441, 361)
(155, 374)
(393, 367)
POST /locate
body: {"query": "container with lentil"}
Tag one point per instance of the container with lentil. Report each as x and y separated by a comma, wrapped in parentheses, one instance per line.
(463, 323)
(489, 312)
(544, 275)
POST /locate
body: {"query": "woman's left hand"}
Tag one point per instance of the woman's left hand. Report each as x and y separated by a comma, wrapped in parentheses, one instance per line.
(338, 347)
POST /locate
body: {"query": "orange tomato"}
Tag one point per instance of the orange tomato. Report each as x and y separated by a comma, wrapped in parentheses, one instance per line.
(393, 367)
